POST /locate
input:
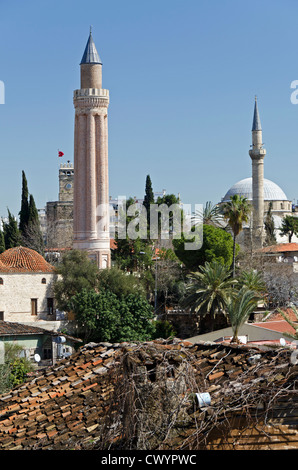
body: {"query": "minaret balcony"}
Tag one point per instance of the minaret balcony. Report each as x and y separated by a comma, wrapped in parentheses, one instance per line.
(91, 92)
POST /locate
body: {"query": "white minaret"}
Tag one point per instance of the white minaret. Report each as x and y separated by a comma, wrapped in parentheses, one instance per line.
(257, 155)
(91, 187)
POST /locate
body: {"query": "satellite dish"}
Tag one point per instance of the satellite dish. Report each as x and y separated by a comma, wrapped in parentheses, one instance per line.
(37, 358)
(282, 341)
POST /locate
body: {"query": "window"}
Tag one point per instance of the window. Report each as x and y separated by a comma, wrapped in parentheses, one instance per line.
(47, 353)
(1, 315)
(33, 306)
(50, 305)
(43, 281)
(1, 281)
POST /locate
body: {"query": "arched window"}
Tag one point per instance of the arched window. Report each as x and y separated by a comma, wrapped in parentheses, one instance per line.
(1, 281)
(43, 281)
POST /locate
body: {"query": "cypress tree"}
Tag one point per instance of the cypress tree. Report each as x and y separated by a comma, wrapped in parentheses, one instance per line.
(32, 211)
(12, 235)
(24, 212)
(149, 197)
(2, 242)
(32, 237)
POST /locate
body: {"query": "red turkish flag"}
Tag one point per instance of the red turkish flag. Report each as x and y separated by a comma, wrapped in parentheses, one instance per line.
(60, 154)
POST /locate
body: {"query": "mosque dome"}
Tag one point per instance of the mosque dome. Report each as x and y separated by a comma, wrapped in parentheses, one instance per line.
(23, 260)
(272, 192)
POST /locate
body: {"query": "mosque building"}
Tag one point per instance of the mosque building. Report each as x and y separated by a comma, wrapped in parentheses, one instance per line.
(259, 191)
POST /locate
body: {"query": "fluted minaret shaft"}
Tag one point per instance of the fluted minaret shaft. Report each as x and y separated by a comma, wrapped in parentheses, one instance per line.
(91, 187)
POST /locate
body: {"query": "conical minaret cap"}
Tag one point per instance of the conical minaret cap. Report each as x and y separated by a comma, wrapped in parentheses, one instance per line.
(90, 55)
(256, 125)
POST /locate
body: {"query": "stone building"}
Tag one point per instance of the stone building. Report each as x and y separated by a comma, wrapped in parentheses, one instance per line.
(26, 287)
(59, 214)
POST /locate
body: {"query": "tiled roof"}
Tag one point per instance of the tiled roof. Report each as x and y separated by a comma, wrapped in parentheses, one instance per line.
(78, 403)
(11, 328)
(280, 248)
(282, 326)
(23, 260)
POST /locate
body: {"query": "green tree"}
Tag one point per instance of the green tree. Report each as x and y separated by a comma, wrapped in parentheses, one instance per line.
(131, 254)
(149, 197)
(77, 272)
(210, 215)
(32, 235)
(253, 280)
(269, 227)
(236, 212)
(12, 235)
(217, 246)
(289, 226)
(239, 308)
(14, 369)
(2, 242)
(119, 282)
(210, 290)
(104, 316)
(24, 212)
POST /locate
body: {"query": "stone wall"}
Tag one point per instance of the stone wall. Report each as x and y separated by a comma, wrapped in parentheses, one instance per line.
(17, 291)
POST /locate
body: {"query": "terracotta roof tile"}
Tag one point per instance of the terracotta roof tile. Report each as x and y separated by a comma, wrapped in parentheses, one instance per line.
(23, 260)
(280, 248)
(73, 403)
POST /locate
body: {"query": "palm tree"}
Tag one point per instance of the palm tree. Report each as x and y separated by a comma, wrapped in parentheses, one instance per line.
(239, 308)
(236, 212)
(210, 215)
(210, 289)
(253, 280)
(289, 226)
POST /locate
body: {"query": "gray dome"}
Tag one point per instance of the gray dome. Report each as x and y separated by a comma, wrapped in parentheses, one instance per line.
(272, 192)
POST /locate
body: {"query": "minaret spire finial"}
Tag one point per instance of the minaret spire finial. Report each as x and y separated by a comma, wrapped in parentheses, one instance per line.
(256, 125)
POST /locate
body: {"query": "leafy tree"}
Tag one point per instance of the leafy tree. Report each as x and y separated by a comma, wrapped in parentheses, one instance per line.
(119, 282)
(106, 317)
(24, 212)
(164, 329)
(236, 212)
(14, 369)
(269, 227)
(217, 246)
(239, 309)
(210, 290)
(289, 226)
(12, 235)
(131, 254)
(77, 272)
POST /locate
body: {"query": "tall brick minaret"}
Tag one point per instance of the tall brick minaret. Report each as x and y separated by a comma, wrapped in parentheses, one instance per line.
(91, 188)
(257, 155)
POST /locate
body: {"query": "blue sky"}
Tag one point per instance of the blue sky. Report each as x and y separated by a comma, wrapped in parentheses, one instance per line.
(182, 76)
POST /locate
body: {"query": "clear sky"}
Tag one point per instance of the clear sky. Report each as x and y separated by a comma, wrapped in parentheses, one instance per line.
(182, 76)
